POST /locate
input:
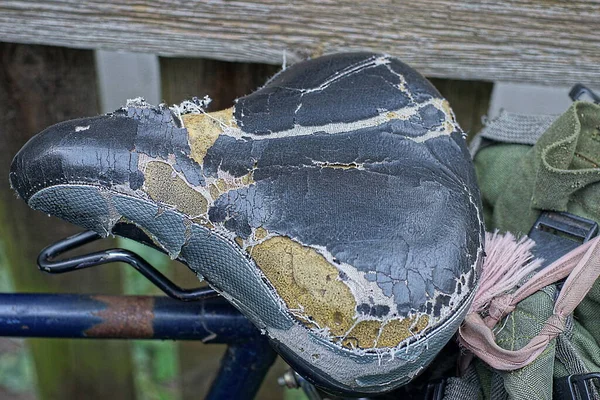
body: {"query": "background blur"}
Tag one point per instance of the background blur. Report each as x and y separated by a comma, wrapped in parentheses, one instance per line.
(169, 370)
(475, 51)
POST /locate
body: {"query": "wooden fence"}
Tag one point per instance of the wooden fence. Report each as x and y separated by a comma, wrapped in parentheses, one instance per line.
(47, 75)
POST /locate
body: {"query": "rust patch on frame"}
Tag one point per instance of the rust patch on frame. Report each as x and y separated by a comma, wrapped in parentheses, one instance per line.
(130, 317)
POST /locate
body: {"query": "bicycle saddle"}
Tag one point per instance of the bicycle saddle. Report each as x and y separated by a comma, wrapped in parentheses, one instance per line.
(336, 207)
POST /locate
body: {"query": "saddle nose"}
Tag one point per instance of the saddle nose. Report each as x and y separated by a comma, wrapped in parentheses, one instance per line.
(94, 151)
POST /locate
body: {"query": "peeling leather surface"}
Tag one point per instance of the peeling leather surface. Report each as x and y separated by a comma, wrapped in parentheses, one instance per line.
(298, 96)
(164, 186)
(313, 293)
(337, 207)
(204, 130)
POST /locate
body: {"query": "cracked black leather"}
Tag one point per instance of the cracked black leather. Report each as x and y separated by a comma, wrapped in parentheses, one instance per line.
(353, 155)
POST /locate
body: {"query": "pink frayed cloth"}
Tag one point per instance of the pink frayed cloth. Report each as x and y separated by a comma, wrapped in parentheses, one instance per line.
(509, 263)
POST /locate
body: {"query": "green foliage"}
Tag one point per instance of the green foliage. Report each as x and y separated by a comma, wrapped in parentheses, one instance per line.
(155, 370)
(16, 367)
(5, 280)
(294, 394)
(16, 364)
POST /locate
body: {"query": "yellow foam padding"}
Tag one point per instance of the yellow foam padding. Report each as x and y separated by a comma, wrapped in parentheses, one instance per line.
(163, 185)
(204, 129)
(310, 287)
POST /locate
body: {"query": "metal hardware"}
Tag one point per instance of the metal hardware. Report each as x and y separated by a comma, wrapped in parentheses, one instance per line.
(292, 380)
(311, 392)
(47, 264)
(435, 390)
(243, 368)
(211, 320)
(578, 91)
(575, 387)
(288, 380)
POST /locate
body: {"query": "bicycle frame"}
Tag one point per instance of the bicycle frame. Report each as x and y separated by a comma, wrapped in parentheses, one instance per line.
(200, 314)
(197, 314)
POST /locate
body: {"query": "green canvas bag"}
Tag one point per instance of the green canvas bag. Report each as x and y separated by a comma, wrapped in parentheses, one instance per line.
(526, 165)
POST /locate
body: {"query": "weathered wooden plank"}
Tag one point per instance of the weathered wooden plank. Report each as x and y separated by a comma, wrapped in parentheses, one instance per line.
(181, 79)
(40, 86)
(549, 42)
(223, 82)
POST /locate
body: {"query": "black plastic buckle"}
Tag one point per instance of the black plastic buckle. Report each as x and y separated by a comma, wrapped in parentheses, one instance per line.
(575, 387)
(557, 233)
(435, 390)
(578, 91)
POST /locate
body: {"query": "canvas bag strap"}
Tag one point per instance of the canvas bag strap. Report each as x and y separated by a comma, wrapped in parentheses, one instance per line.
(581, 267)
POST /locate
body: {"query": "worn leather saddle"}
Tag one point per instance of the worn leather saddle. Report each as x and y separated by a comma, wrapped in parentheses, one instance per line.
(336, 207)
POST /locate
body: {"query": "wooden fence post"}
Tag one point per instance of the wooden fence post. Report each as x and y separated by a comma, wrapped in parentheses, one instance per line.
(470, 101)
(181, 79)
(40, 86)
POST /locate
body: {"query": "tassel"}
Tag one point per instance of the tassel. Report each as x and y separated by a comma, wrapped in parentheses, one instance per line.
(506, 263)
